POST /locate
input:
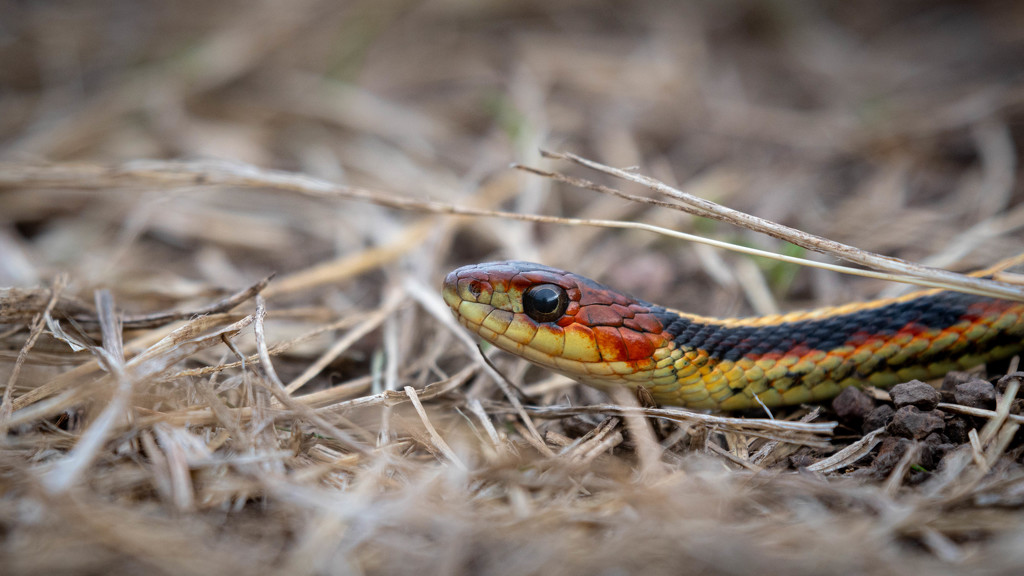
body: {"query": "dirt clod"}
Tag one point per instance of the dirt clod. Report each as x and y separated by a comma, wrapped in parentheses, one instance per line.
(956, 429)
(853, 405)
(915, 393)
(950, 381)
(880, 417)
(890, 453)
(976, 393)
(1003, 382)
(910, 422)
(934, 449)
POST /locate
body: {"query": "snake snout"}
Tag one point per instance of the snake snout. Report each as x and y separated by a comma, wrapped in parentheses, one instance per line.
(466, 285)
(450, 290)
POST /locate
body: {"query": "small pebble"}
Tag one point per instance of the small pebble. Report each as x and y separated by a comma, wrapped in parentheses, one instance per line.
(957, 429)
(915, 393)
(976, 394)
(909, 422)
(1003, 382)
(889, 455)
(953, 378)
(852, 404)
(934, 449)
(878, 418)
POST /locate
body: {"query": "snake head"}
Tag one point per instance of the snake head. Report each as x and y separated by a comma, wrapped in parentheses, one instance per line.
(556, 319)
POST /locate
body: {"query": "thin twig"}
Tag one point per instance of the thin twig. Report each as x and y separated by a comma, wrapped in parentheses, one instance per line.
(434, 306)
(170, 174)
(850, 454)
(223, 305)
(436, 438)
(345, 342)
(68, 470)
(276, 387)
(785, 431)
(6, 407)
(708, 209)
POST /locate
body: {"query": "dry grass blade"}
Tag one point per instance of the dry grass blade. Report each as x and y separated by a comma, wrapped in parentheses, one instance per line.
(396, 397)
(277, 389)
(716, 449)
(1012, 386)
(775, 451)
(6, 406)
(154, 361)
(438, 441)
(432, 302)
(850, 454)
(648, 451)
(156, 343)
(805, 433)
(25, 303)
(899, 472)
(68, 471)
(597, 442)
(345, 342)
(15, 304)
(221, 306)
(171, 174)
(894, 268)
(477, 409)
(979, 412)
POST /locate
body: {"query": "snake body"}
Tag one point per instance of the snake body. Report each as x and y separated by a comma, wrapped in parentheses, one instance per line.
(605, 338)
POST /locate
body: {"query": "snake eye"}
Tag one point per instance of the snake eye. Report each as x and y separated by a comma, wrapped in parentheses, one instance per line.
(545, 302)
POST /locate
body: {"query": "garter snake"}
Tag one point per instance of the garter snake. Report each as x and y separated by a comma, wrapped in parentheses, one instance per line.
(605, 338)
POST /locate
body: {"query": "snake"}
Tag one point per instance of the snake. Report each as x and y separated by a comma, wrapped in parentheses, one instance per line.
(607, 339)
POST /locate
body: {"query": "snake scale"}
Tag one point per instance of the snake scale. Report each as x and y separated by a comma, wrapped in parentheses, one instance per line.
(605, 338)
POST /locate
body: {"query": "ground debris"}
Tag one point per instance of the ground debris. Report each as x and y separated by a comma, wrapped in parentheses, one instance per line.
(910, 422)
(852, 406)
(880, 417)
(976, 393)
(915, 393)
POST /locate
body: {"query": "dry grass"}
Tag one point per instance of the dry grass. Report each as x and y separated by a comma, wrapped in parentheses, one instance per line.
(223, 226)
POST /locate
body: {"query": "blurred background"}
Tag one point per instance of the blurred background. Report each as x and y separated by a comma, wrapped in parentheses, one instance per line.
(896, 127)
(889, 126)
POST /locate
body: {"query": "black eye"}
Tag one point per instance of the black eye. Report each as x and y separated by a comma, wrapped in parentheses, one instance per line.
(545, 302)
